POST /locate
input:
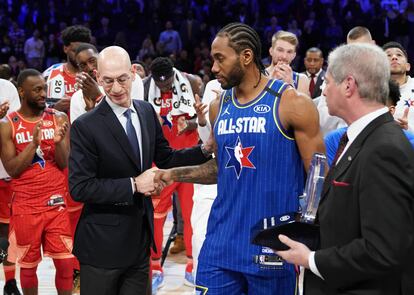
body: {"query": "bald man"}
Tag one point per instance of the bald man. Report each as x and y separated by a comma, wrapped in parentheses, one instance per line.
(112, 150)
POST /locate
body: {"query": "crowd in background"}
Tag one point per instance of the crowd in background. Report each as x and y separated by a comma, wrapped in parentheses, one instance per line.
(183, 29)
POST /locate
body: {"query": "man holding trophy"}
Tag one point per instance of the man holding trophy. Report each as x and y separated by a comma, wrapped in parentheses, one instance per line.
(366, 208)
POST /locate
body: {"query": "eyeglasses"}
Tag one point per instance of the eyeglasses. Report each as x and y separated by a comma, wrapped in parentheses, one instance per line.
(122, 81)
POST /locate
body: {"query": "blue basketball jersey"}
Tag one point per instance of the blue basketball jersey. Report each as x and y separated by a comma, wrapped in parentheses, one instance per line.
(295, 79)
(260, 174)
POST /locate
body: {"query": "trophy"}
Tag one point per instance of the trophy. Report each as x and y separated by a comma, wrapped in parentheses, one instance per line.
(299, 226)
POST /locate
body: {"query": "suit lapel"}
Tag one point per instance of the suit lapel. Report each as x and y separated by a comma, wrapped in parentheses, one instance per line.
(116, 129)
(353, 151)
(318, 84)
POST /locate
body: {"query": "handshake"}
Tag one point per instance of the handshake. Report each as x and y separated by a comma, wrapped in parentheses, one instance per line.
(153, 181)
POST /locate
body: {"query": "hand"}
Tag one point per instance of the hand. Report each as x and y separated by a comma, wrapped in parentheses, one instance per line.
(163, 178)
(182, 125)
(60, 132)
(403, 121)
(90, 89)
(283, 71)
(201, 111)
(4, 107)
(37, 134)
(144, 182)
(298, 253)
(63, 104)
(210, 144)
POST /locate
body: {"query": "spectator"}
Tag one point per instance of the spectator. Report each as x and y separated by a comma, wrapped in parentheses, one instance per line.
(169, 40)
(17, 37)
(34, 50)
(147, 48)
(52, 51)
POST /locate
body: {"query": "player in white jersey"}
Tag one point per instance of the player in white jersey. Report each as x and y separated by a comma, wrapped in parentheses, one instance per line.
(204, 194)
(9, 102)
(398, 58)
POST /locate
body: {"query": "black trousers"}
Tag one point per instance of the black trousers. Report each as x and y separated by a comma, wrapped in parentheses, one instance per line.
(133, 280)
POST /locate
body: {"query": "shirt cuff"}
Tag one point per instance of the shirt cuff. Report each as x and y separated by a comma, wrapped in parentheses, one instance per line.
(312, 265)
(133, 185)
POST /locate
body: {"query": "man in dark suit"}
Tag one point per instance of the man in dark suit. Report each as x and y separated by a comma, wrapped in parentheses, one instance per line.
(366, 210)
(112, 150)
(313, 63)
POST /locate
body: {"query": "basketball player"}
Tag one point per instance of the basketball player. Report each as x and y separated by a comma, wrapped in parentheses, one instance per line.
(61, 77)
(34, 152)
(278, 132)
(180, 129)
(283, 52)
(61, 80)
(9, 102)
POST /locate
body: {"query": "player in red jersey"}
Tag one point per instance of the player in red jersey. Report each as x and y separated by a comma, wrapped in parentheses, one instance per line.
(171, 92)
(61, 80)
(61, 77)
(35, 152)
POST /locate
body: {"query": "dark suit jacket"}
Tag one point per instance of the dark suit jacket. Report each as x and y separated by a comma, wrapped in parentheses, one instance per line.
(317, 91)
(366, 217)
(110, 229)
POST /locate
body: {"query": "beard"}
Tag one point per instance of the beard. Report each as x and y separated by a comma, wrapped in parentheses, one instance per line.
(36, 105)
(72, 62)
(234, 78)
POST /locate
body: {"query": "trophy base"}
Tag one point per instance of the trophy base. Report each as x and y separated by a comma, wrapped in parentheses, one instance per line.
(293, 228)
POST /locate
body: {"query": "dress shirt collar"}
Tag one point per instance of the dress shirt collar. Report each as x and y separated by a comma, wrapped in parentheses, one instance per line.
(118, 110)
(356, 127)
(316, 75)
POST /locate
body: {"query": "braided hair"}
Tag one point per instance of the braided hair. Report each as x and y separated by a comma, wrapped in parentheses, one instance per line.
(241, 37)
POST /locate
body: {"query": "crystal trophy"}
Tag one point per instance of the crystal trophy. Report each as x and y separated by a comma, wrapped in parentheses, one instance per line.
(299, 226)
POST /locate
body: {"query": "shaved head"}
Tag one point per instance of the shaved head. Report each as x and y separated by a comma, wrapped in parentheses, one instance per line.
(115, 74)
(113, 56)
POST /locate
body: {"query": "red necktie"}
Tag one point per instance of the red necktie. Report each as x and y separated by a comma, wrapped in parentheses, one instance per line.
(312, 84)
(342, 144)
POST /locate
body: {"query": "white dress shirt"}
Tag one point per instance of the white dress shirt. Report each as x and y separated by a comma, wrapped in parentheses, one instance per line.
(119, 113)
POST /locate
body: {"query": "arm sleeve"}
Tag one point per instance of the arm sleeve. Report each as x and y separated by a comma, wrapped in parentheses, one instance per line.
(84, 184)
(385, 200)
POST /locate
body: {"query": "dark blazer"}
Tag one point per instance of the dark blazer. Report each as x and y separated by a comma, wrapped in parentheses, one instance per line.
(317, 91)
(113, 221)
(366, 217)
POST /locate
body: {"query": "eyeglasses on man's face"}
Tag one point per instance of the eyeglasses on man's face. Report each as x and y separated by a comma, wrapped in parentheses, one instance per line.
(122, 80)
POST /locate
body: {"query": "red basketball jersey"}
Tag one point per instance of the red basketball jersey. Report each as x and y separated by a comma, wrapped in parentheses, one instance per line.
(42, 181)
(170, 128)
(60, 82)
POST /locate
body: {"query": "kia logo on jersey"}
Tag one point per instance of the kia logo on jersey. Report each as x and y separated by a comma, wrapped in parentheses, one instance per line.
(47, 123)
(261, 109)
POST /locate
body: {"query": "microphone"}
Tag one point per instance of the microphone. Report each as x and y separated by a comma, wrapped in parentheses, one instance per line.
(4, 244)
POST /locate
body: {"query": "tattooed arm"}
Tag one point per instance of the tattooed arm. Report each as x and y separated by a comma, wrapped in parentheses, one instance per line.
(204, 174)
